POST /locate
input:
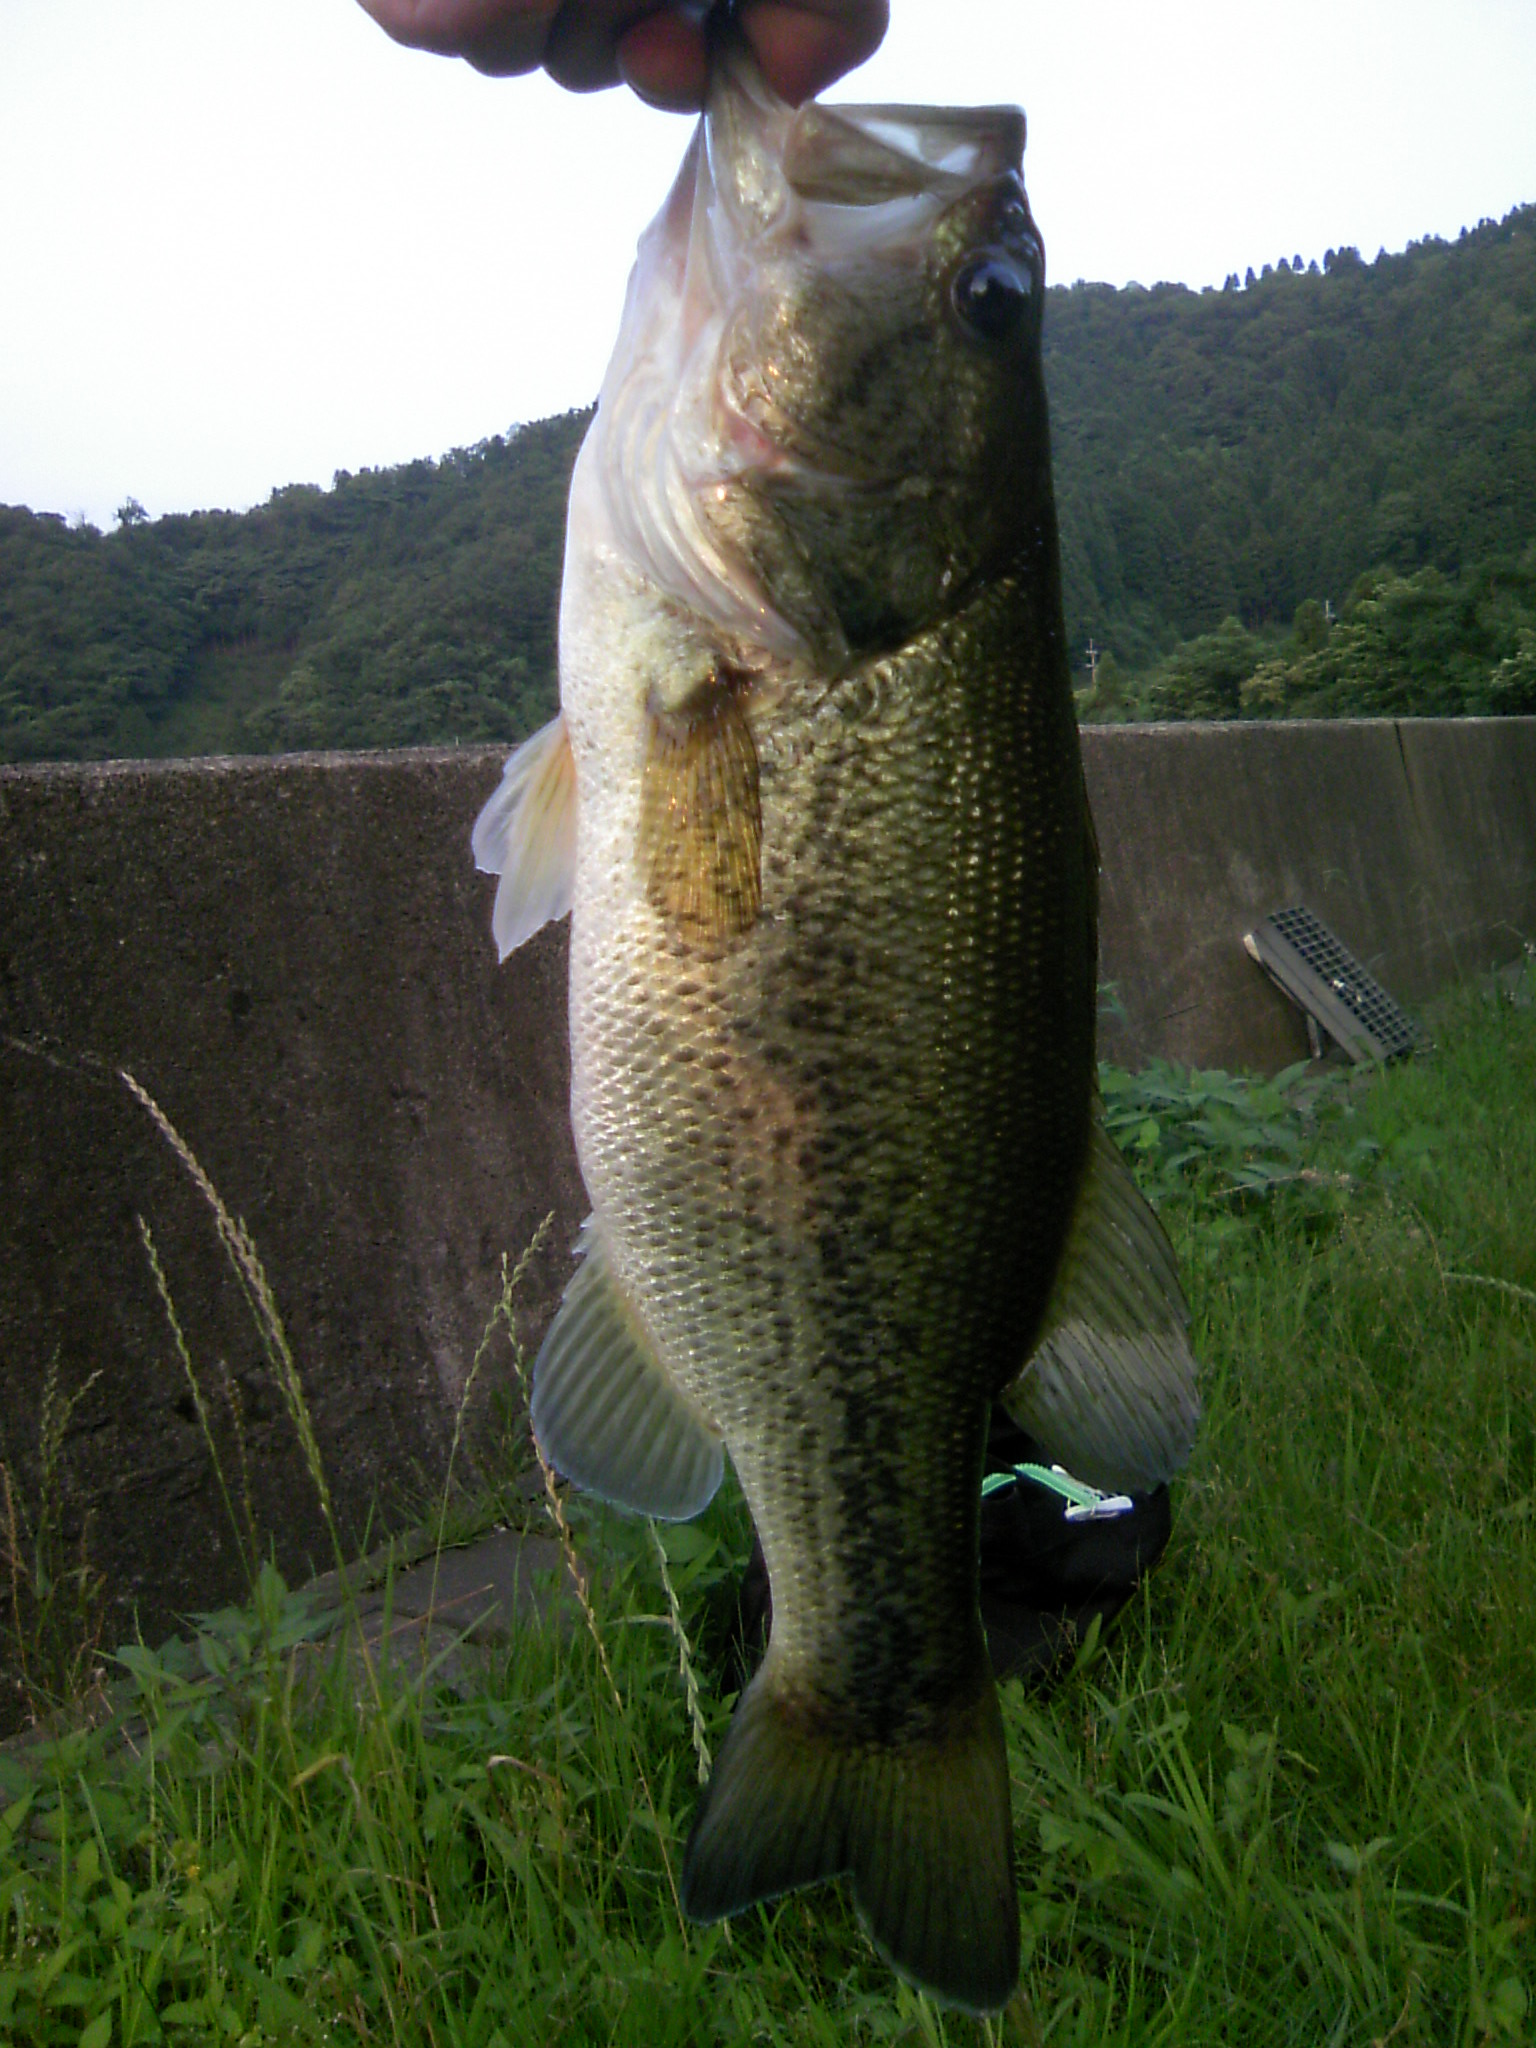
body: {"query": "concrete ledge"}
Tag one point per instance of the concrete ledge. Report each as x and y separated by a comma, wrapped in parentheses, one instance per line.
(293, 957)
(1415, 840)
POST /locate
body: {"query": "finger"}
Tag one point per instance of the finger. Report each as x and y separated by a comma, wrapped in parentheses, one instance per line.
(803, 45)
(665, 60)
(502, 36)
(581, 52)
(657, 48)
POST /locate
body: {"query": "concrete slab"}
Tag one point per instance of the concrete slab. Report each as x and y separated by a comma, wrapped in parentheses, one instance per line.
(435, 1616)
(485, 1589)
(443, 1621)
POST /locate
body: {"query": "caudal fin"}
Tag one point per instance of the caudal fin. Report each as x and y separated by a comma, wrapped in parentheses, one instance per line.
(923, 1830)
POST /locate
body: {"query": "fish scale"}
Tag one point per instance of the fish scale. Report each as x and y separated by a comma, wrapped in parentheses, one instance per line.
(832, 980)
(922, 1022)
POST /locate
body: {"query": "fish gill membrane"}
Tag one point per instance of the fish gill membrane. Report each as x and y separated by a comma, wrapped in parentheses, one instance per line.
(815, 803)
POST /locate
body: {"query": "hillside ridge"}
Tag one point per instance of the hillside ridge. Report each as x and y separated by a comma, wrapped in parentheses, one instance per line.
(1313, 491)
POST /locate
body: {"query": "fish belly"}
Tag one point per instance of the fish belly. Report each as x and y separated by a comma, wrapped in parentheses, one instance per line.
(834, 1156)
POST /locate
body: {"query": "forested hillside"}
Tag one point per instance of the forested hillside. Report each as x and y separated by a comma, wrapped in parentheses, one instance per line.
(402, 606)
(1355, 443)
(1312, 491)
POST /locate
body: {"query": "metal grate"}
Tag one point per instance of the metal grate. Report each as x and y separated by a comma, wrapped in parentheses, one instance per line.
(1319, 973)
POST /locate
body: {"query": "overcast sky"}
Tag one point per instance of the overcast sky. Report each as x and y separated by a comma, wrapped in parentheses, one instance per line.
(250, 242)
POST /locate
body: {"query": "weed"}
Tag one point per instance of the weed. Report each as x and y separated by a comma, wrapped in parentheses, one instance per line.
(687, 1667)
(1233, 1138)
(241, 1252)
(53, 1598)
(1289, 1801)
(242, 1524)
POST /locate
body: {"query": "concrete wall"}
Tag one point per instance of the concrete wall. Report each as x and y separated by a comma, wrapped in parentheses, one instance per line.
(1414, 840)
(293, 957)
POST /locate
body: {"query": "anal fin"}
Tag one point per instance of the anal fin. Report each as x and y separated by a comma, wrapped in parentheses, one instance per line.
(1109, 1389)
(606, 1412)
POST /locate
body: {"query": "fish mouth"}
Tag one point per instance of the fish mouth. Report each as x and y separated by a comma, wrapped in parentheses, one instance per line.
(761, 150)
(761, 180)
(831, 182)
(871, 156)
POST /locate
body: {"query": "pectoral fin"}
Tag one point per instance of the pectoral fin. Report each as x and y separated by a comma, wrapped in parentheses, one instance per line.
(1110, 1387)
(605, 1410)
(527, 835)
(701, 820)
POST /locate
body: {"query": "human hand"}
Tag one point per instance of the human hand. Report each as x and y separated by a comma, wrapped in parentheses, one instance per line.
(656, 47)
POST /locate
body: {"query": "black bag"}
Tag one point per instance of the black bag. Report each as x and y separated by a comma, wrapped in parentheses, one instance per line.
(1054, 1554)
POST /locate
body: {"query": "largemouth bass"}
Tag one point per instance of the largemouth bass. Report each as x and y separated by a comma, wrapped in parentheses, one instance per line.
(815, 802)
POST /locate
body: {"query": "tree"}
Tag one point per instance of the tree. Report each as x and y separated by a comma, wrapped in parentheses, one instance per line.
(1218, 457)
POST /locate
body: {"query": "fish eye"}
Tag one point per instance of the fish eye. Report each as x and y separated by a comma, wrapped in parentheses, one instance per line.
(992, 296)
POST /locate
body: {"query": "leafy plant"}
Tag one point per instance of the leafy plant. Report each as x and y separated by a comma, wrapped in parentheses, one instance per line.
(1236, 1139)
(1290, 1800)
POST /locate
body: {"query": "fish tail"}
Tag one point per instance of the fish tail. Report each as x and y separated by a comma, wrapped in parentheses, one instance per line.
(923, 1829)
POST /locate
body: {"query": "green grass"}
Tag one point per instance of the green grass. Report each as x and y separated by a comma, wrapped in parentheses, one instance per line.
(1290, 1800)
